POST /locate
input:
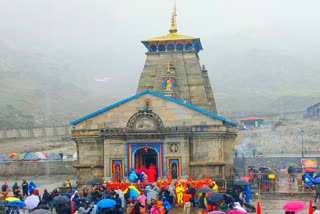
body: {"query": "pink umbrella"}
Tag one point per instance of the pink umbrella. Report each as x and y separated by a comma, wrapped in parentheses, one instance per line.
(236, 212)
(309, 170)
(294, 206)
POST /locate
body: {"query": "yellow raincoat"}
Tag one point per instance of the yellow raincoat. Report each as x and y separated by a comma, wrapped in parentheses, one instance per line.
(215, 187)
(179, 192)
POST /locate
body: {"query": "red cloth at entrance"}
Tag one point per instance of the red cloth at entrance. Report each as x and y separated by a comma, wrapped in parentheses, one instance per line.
(152, 173)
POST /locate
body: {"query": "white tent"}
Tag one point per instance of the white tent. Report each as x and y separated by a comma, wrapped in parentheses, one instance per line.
(40, 155)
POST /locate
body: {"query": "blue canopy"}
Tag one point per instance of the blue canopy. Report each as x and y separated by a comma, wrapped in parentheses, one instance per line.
(21, 204)
(106, 203)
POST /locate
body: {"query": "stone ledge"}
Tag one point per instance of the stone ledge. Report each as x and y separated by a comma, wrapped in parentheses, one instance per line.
(207, 164)
(89, 166)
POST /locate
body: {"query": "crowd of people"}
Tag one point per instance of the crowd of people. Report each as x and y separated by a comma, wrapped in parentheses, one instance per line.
(134, 200)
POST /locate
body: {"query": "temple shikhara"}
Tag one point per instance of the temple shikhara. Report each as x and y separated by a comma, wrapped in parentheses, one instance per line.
(170, 126)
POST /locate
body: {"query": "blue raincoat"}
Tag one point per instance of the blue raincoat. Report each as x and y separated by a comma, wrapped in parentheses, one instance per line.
(133, 193)
(31, 186)
(133, 176)
(247, 190)
(166, 204)
(141, 176)
(307, 179)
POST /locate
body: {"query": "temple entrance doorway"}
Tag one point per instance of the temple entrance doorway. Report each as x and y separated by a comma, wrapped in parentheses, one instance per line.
(174, 170)
(146, 157)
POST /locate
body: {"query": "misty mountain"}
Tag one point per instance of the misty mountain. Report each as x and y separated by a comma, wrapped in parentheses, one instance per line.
(55, 88)
(262, 81)
(33, 84)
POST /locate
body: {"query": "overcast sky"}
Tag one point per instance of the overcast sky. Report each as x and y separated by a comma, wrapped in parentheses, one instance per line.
(114, 29)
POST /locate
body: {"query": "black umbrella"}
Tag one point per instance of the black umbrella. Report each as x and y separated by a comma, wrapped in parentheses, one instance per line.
(204, 190)
(228, 198)
(214, 198)
(59, 200)
(94, 181)
(241, 183)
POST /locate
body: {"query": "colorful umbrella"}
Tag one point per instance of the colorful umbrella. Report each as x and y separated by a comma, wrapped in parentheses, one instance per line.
(32, 202)
(12, 199)
(19, 203)
(316, 180)
(308, 170)
(106, 203)
(294, 206)
(134, 192)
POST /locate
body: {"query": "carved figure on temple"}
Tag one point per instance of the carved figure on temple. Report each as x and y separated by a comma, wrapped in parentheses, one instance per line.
(168, 84)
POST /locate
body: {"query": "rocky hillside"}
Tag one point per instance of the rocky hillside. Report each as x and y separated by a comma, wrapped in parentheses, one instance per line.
(281, 137)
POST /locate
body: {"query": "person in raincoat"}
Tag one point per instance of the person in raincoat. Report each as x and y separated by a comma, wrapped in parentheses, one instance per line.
(155, 188)
(15, 189)
(247, 191)
(68, 184)
(307, 179)
(166, 205)
(172, 195)
(179, 192)
(133, 176)
(31, 187)
(155, 209)
(142, 200)
(215, 187)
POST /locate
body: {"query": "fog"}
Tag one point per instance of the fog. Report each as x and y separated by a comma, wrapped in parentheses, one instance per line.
(255, 51)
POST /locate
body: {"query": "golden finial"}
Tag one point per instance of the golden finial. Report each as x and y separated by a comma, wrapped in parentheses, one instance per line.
(168, 68)
(173, 28)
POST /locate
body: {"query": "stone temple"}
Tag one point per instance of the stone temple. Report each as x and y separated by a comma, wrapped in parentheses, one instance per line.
(171, 122)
